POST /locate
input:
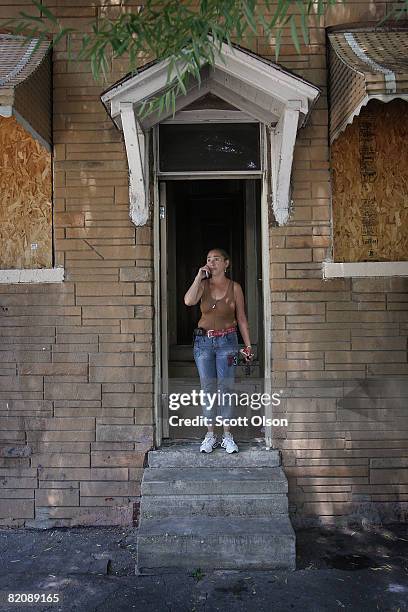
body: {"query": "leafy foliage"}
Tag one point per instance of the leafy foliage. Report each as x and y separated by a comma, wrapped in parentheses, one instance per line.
(186, 34)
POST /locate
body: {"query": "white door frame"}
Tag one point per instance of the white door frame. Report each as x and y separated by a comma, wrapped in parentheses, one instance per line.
(161, 373)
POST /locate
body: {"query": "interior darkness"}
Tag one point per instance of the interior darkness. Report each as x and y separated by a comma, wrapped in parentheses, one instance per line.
(202, 215)
(209, 214)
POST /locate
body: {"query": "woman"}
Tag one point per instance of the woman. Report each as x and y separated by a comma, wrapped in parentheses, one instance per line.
(216, 342)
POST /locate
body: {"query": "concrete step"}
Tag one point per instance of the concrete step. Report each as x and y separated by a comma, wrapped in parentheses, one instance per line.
(216, 543)
(213, 481)
(188, 455)
(163, 506)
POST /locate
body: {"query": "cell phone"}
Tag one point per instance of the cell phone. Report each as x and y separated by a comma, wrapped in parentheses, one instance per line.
(207, 274)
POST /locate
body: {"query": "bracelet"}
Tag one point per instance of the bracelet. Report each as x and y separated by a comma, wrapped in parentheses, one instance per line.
(247, 351)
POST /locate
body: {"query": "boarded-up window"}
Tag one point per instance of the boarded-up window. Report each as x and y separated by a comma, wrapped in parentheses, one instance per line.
(370, 185)
(26, 199)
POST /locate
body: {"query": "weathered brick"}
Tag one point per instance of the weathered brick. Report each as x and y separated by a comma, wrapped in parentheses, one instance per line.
(379, 344)
(56, 497)
(86, 391)
(116, 432)
(77, 473)
(109, 488)
(136, 274)
(10, 482)
(117, 458)
(108, 312)
(115, 501)
(293, 308)
(103, 289)
(17, 494)
(69, 219)
(59, 424)
(297, 364)
(61, 460)
(111, 359)
(392, 476)
(285, 255)
(120, 374)
(16, 508)
(365, 356)
(123, 252)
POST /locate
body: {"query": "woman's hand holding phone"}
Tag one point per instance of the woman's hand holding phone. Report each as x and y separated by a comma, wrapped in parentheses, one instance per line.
(204, 272)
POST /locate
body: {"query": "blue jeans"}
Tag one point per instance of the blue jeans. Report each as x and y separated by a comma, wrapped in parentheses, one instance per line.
(215, 359)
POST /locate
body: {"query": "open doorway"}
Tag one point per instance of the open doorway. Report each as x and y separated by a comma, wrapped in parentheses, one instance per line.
(200, 215)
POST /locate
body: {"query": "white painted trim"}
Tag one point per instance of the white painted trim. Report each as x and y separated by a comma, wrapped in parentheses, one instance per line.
(185, 176)
(366, 268)
(350, 118)
(279, 75)
(253, 73)
(195, 92)
(6, 111)
(40, 275)
(262, 98)
(233, 64)
(157, 405)
(389, 75)
(212, 115)
(164, 305)
(282, 148)
(266, 295)
(136, 155)
(244, 104)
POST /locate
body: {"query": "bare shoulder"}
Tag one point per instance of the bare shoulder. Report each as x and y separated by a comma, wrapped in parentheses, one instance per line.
(237, 288)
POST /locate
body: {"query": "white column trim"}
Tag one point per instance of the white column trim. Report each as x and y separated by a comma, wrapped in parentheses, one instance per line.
(135, 142)
(282, 148)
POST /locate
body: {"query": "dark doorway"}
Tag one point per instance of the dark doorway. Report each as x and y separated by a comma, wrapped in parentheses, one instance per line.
(200, 215)
(208, 214)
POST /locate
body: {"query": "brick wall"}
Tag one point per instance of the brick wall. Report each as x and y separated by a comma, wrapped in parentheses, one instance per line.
(76, 371)
(339, 346)
(76, 358)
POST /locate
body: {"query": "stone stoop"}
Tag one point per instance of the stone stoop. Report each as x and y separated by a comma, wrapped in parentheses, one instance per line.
(214, 511)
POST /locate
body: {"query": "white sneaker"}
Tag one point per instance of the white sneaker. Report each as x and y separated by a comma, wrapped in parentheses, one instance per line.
(228, 443)
(209, 443)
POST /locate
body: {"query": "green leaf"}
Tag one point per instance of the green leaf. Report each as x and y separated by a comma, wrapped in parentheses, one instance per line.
(249, 15)
(294, 34)
(305, 29)
(46, 11)
(278, 41)
(177, 30)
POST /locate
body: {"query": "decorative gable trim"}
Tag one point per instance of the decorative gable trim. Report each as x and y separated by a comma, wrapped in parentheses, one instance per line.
(253, 85)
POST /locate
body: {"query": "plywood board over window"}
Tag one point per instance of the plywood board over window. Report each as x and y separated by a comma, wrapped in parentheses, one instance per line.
(370, 185)
(26, 199)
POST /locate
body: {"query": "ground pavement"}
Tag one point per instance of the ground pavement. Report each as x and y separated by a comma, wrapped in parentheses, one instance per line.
(92, 569)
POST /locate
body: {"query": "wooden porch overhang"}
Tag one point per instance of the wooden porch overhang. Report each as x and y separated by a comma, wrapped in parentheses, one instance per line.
(25, 85)
(257, 87)
(364, 65)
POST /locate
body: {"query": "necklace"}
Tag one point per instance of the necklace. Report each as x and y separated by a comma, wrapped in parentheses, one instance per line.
(216, 300)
